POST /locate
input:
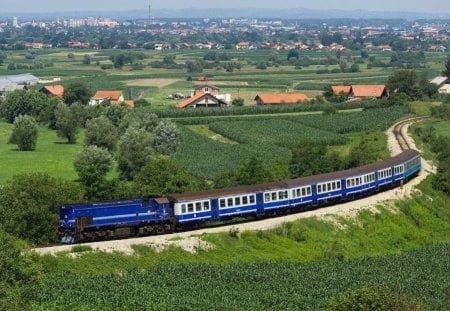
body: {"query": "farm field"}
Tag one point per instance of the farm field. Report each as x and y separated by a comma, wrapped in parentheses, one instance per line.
(155, 84)
(418, 275)
(270, 138)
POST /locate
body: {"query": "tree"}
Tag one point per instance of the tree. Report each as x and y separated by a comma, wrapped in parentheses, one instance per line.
(404, 81)
(19, 275)
(25, 133)
(101, 133)
(30, 203)
(134, 151)
(293, 53)
(3, 56)
(249, 172)
(194, 66)
(308, 159)
(86, 59)
(92, 164)
(32, 103)
(446, 71)
(354, 68)
(139, 119)
(67, 123)
(238, 102)
(167, 138)
(164, 176)
(77, 92)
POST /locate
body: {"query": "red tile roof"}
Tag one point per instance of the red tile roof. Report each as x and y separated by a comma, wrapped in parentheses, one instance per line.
(196, 97)
(368, 90)
(274, 99)
(55, 90)
(112, 95)
(337, 89)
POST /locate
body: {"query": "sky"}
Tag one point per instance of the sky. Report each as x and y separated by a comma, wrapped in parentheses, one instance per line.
(43, 6)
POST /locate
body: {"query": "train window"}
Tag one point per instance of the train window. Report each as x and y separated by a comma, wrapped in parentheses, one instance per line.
(245, 200)
(308, 190)
(252, 199)
(333, 186)
(183, 208)
(267, 197)
(190, 207)
(198, 206)
(296, 193)
(319, 188)
(329, 187)
(348, 182)
(237, 201)
(338, 184)
(206, 205)
(230, 202)
(303, 191)
(222, 203)
(274, 196)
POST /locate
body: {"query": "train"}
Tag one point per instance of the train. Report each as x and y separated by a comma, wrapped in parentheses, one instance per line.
(184, 211)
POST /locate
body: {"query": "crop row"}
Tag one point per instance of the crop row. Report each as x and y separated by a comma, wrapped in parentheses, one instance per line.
(207, 158)
(250, 110)
(279, 132)
(379, 118)
(419, 274)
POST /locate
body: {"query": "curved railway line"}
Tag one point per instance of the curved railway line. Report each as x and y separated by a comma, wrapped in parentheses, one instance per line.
(401, 136)
(398, 141)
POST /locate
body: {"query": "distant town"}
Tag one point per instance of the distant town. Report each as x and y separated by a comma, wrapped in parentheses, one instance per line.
(230, 33)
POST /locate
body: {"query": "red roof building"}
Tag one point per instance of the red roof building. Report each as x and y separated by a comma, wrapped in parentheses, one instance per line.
(279, 99)
(53, 90)
(201, 99)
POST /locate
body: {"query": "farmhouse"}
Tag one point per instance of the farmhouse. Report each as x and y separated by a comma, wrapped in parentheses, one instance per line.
(53, 90)
(277, 99)
(206, 88)
(338, 89)
(439, 80)
(201, 99)
(361, 91)
(114, 97)
(444, 89)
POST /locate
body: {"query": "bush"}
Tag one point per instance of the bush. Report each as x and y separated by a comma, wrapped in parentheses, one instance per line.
(24, 133)
(371, 298)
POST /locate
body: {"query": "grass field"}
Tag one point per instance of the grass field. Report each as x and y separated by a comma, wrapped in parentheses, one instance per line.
(52, 155)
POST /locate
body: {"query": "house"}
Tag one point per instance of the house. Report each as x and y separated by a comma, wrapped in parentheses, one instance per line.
(206, 88)
(277, 99)
(114, 97)
(338, 89)
(444, 89)
(53, 90)
(201, 99)
(243, 46)
(360, 91)
(439, 80)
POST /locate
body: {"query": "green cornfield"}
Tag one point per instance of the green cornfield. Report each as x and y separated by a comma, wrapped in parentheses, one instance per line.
(420, 274)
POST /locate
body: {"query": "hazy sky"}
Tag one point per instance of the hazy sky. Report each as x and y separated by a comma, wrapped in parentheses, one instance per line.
(441, 6)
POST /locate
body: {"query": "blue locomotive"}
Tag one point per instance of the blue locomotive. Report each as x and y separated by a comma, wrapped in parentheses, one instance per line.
(87, 222)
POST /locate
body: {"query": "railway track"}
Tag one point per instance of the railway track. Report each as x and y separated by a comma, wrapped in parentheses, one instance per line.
(400, 136)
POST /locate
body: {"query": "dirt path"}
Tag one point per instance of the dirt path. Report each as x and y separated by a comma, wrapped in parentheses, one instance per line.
(189, 241)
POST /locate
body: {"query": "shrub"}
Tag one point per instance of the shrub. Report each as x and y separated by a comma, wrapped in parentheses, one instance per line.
(25, 133)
